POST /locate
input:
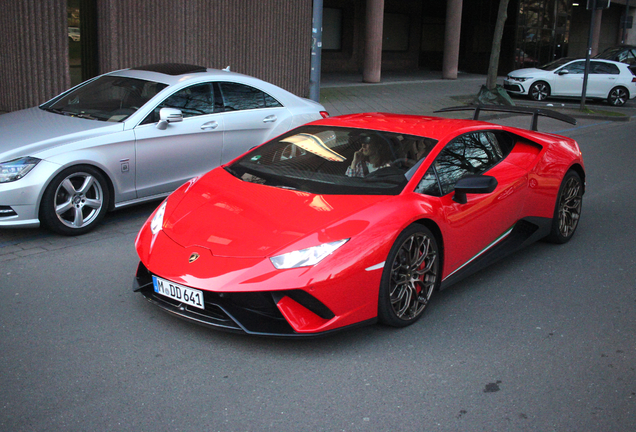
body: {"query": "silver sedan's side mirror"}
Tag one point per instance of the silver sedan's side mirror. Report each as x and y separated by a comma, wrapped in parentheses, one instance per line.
(169, 115)
(563, 72)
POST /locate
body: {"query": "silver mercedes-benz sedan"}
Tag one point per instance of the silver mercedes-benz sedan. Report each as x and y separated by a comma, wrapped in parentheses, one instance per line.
(131, 136)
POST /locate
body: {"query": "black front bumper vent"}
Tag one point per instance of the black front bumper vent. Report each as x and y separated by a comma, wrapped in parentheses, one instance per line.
(252, 312)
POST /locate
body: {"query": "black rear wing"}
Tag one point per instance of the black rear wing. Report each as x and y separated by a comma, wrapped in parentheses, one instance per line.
(536, 112)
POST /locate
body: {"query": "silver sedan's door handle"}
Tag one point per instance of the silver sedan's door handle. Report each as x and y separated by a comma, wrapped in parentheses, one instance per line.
(209, 125)
(270, 119)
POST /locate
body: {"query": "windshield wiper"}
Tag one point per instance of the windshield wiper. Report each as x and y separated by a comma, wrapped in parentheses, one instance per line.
(71, 114)
(55, 110)
(84, 116)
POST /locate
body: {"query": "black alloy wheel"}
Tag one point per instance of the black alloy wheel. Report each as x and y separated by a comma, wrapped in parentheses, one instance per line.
(567, 212)
(618, 96)
(539, 91)
(411, 274)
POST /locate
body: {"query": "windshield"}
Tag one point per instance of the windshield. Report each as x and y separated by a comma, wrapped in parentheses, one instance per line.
(108, 98)
(332, 160)
(555, 64)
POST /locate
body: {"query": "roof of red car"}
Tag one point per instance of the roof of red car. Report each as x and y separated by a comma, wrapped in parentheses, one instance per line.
(427, 126)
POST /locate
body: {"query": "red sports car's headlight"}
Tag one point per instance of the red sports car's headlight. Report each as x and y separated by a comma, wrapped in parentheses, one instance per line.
(157, 220)
(306, 257)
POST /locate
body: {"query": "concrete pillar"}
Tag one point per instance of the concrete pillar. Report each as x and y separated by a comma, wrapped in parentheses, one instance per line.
(373, 41)
(596, 36)
(451, 39)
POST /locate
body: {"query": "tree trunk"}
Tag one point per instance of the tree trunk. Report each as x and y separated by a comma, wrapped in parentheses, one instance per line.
(493, 66)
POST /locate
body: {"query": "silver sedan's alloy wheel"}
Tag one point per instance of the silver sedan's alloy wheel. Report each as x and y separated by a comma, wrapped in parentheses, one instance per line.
(78, 200)
(75, 200)
(570, 203)
(618, 96)
(539, 91)
(411, 276)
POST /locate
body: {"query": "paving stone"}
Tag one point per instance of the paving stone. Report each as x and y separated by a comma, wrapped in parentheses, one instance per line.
(9, 249)
(8, 257)
(29, 252)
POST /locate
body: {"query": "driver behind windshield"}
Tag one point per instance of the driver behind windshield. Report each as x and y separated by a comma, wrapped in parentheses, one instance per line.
(372, 156)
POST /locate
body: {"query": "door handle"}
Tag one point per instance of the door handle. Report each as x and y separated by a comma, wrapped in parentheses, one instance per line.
(270, 119)
(209, 125)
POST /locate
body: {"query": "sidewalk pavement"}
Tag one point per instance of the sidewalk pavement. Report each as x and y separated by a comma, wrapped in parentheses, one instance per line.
(423, 92)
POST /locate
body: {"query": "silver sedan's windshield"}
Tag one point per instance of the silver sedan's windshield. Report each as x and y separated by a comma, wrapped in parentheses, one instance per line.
(333, 160)
(108, 98)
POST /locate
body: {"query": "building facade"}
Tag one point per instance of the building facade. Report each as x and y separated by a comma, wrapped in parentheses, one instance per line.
(48, 45)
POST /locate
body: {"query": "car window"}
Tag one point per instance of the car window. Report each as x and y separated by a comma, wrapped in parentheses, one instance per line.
(555, 64)
(469, 154)
(107, 98)
(335, 160)
(575, 67)
(620, 54)
(604, 68)
(627, 56)
(429, 185)
(193, 101)
(238, 97)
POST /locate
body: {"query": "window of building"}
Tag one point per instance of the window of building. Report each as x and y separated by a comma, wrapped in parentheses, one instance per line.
(543, 28)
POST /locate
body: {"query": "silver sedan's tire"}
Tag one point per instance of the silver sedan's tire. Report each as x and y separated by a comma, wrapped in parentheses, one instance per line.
(618, 96)
(411, 274)
(539, 91)
(75, 201)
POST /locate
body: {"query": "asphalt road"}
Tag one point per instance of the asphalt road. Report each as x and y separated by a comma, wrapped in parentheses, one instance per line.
(542, 341)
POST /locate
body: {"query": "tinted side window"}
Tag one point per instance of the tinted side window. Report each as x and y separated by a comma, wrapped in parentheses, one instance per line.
(576, 67)
(627, 56)
(237, 97)
(604, 68)
(429, 184)
(469, 154)
(192, 101)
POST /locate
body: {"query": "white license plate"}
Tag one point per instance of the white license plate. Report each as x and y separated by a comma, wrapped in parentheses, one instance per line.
(189, 296)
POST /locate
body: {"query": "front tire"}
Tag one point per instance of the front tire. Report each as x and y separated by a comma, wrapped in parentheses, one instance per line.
(539, 91)
(411, 274)
(75, 201)
(618, 96)
(567, 211)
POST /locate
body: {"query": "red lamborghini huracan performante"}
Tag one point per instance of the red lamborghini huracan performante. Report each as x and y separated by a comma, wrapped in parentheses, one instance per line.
(355, 219)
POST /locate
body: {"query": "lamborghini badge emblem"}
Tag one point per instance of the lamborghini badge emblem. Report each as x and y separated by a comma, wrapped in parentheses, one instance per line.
(195, 256)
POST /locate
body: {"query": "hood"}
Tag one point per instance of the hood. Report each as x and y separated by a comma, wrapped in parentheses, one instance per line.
(29, 131)
(233, 218)
(526, 72)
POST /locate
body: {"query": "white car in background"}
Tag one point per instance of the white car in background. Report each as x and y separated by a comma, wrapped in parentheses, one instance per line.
(609, 80)
(131, 136)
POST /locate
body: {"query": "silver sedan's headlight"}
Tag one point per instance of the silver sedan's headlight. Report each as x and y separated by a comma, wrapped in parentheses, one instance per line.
(306, 257)
(16, 169)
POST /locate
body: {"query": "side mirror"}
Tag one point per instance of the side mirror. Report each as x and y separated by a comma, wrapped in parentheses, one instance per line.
(475, 185)
(169, 115)
(563, 72)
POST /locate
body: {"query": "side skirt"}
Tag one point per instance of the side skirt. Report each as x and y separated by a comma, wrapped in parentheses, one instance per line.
(523, 233)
